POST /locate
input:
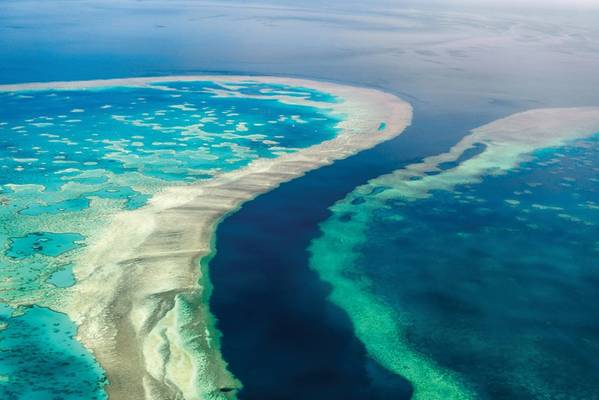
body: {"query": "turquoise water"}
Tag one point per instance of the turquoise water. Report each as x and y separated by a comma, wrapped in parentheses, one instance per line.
(449, 58)
(501, 275)
(45, 243)
(63, 277)
(70, 159)
(39, 352)
(47, 134)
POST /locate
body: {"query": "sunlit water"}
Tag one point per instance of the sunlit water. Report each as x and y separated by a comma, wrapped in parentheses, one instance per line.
(490, 286)
(454, 62)
(70, 159)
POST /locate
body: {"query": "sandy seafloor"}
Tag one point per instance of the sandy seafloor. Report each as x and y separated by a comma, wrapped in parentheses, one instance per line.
(523, 326)
(120, 184)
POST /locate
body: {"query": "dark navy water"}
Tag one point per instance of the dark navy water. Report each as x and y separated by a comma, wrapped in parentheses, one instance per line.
(138, 129)
(461, 66)
(281, 337)
(501, 275)
(72, 158)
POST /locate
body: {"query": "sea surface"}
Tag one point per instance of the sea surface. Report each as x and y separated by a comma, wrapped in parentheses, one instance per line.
(490, 287)
(261, 279)
(72, 158)
(499, 274)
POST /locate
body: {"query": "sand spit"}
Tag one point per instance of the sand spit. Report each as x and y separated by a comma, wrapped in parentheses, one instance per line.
(507, 142)
(138, 298)
(335, 255)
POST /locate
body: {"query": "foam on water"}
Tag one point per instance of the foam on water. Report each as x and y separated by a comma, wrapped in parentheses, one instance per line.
(45, 243)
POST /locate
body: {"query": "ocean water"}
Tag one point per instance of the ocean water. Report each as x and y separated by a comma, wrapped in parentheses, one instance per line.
(72, 158)
(484, 291)
(40, 359)
(461, 64)
(281, 336)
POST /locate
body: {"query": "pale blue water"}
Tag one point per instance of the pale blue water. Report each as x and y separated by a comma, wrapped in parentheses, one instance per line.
(69, 159)
(453, 60)
(77, 204)
(52, 131)
(63, 277)
(41, 360)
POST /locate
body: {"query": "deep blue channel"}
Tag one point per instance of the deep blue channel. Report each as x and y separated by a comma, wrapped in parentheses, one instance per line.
(281, 337)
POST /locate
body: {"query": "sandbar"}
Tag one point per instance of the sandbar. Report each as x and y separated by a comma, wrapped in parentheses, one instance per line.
(139, 298)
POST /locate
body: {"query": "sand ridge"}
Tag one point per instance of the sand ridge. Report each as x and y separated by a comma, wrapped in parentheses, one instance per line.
(138, 297)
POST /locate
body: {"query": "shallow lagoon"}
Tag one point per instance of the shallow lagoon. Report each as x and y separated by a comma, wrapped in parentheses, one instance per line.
(72, 158)
(455, 75)
(40, 359)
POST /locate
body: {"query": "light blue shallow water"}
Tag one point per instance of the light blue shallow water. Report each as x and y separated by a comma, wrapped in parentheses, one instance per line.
(451, 58)
(43, 361)
(124, 130)
(70, 159)
(45, 243)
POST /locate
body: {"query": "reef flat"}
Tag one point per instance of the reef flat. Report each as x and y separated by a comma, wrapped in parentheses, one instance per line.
(132, 216)
(439, 263)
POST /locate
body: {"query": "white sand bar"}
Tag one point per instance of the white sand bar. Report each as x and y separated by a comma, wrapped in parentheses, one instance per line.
(507, 142)
(138, 297)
